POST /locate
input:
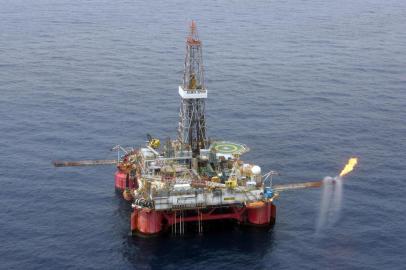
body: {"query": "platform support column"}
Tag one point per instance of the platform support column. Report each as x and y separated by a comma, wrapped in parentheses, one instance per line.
(264, 215)
(149, 221)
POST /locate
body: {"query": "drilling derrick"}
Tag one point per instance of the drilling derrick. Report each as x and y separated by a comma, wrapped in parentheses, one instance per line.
(192, 124)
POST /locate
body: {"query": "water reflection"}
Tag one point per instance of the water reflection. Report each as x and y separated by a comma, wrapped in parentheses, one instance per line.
(231, 245)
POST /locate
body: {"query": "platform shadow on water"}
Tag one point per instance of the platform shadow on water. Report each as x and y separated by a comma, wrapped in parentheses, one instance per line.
(231, 244)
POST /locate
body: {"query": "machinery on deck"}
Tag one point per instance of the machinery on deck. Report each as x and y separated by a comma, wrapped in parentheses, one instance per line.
(170, 187)
(192, 179)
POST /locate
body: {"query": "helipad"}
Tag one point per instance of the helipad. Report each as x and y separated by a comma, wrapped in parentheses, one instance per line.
(229, 148)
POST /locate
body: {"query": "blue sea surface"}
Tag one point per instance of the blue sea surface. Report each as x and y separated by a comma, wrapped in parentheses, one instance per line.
(305, 84)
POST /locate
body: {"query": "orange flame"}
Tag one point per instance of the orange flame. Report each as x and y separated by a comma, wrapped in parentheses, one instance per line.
(349, 166)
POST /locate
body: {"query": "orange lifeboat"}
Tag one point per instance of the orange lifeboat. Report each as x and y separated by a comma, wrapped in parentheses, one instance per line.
(127, 194)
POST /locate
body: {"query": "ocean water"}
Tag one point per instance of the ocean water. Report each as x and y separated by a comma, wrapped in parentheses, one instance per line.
(305, 84)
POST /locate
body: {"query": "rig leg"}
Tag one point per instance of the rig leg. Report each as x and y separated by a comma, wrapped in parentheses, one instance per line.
(134, 220)
(120, 180)
(149, 222)
(123, 181)
(263, 216)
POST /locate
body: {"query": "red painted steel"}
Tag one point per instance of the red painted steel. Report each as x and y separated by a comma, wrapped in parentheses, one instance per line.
(149, 222)
(237, 214)
(273, 213)
(122, 181)
(134, 218)
(260, 215)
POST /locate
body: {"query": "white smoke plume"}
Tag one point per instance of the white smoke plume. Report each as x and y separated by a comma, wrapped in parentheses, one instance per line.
(331, 200)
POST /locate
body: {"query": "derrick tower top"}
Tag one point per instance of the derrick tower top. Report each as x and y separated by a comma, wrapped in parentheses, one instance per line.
(193, 77)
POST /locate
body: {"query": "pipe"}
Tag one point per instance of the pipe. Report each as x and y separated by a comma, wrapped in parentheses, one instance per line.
(59, 163)
(284, 187)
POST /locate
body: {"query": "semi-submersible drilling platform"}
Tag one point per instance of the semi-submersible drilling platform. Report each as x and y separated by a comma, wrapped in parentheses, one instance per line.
(193, 179)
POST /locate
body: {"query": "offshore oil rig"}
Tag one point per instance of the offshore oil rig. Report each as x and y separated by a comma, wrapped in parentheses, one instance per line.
(192, 179)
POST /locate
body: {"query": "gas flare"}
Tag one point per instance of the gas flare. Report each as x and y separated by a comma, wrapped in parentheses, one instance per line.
(349, 166)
